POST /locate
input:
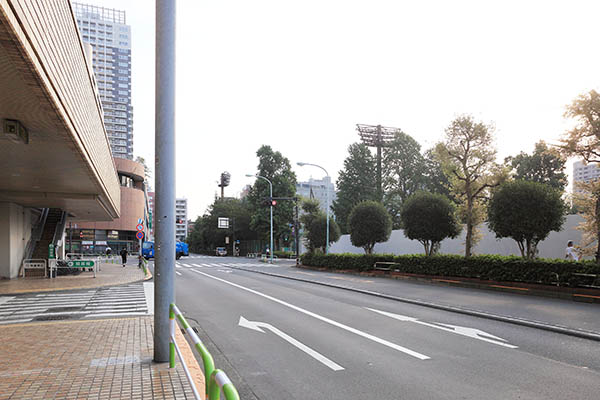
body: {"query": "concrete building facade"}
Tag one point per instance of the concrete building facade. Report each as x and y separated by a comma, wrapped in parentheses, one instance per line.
(318, 188)
(55, 159)
(106, 30)
(181, 217)
(583, 172)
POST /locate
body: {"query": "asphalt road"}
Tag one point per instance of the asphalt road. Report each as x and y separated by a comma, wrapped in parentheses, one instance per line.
(283, 339)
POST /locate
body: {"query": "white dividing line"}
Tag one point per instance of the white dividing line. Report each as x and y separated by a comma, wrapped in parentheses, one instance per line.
(128, 314)
(14, 321)
(149, 292)
(324, 319)
(178, 273)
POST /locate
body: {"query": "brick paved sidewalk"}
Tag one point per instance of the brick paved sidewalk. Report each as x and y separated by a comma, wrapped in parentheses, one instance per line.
(100, 359)
(109, 275)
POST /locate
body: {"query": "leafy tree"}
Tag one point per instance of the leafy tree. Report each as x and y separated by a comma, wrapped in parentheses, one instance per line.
(526, 212)
(275, 167)
(545, 165)
(584, 141)
(314, 221)
(403, 173)
(369, 223)
(468, 158)
(429, 218)
(356, 182)
(435, 181)
(206, 236)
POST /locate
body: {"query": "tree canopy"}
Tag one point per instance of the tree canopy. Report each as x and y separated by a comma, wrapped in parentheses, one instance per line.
(357, 182)
(403, 173)
(467, 156)
(583, 140)
(526, 212)
(275, 167)
(545, 165)
(429, 218)
(369, 224)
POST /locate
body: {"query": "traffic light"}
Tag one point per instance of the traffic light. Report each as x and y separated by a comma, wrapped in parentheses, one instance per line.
(273, 203)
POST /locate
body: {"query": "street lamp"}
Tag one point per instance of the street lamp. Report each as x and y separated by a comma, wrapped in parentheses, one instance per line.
(302, 164)
(271, 207)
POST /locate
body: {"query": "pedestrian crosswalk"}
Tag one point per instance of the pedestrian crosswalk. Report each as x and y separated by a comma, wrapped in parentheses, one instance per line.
(192, 264)
(126, 300)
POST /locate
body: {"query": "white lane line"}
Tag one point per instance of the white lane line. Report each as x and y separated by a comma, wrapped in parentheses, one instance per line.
(15, 321)
(178, 273)
(149, 292)
(179, 266)
(187, 265)
(115, 314)
(324, 319)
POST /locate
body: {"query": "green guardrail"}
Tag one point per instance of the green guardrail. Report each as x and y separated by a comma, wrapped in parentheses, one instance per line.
(216, 381)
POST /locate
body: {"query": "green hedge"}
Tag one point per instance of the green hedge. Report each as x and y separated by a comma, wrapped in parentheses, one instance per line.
(284, 254)
(487, 267)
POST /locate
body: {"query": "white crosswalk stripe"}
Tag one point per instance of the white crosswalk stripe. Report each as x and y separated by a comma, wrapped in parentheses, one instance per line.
(127, 300)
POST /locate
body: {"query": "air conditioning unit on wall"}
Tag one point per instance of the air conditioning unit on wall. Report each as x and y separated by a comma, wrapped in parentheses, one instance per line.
(14, 131)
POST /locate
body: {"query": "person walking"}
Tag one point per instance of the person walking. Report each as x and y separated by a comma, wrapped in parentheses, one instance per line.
(124, 257)
(571, 252)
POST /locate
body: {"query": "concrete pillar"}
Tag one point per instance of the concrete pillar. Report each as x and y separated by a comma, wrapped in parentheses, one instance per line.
(15, 232)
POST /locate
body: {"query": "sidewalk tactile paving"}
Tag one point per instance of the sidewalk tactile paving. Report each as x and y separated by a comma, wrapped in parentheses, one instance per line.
(100, 359)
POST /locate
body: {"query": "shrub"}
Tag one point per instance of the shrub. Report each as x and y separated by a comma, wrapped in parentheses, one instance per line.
(369, 223)
(526, 212)
(429, 218)
(486, 267)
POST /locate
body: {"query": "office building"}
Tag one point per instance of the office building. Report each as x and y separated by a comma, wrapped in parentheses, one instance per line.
(106, 30)
(583, 172)
(317, 189)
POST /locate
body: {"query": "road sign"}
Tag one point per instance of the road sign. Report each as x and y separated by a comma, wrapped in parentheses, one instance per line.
(51, 253)
(81, 264)
(140, 221)
(223, 223)
(139, 235)
(139, 227)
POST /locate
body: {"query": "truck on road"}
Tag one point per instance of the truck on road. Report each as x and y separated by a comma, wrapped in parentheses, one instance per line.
(181, 249)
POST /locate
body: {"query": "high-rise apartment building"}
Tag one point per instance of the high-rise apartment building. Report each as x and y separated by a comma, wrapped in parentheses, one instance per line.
(106, 30)
(181, 217)
(583, 172)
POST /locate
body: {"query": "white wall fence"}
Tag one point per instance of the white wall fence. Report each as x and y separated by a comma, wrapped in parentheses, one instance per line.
(553, 247)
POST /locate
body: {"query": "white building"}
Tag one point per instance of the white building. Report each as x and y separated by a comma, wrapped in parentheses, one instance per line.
(105, 29)
(583, 172)
(181, 216)
(317, 189)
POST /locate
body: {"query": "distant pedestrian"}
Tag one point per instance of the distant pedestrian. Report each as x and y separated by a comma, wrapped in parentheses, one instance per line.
(108, 251)
(124, 257)
(571, 252)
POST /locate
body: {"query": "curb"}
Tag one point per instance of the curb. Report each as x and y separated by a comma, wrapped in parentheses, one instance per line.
(590, 335)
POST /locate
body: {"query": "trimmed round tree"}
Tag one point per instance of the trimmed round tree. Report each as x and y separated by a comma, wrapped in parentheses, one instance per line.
(369, 223)
(429, 218)
(526, 212)
(316, 234)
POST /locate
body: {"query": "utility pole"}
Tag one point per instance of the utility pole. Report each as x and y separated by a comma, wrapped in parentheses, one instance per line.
(164, 246)
(377, 136)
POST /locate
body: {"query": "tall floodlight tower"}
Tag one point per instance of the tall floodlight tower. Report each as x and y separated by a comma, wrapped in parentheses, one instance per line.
(379, 137)
(225, 178)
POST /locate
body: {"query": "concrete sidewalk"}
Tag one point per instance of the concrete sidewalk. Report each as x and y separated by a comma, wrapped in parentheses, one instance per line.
(109, 275)
(100, 359)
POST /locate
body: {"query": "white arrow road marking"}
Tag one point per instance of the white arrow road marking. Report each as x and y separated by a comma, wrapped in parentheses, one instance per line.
(254, 325)
(324, 319)
(459, 330)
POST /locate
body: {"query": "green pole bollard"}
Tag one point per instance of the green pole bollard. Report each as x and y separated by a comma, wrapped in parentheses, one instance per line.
(219, 381)
(172, 344)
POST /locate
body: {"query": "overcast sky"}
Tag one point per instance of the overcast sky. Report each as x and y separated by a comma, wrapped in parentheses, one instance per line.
(299, 75)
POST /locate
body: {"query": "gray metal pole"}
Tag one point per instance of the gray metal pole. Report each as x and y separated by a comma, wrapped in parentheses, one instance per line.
(164, 246)
(271, 191)
(327, 188)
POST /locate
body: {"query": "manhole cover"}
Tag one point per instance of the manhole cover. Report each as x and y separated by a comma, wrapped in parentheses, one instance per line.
(52, 317)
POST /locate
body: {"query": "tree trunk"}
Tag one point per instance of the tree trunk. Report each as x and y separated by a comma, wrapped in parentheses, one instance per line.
(521, 249)
(469, 236)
